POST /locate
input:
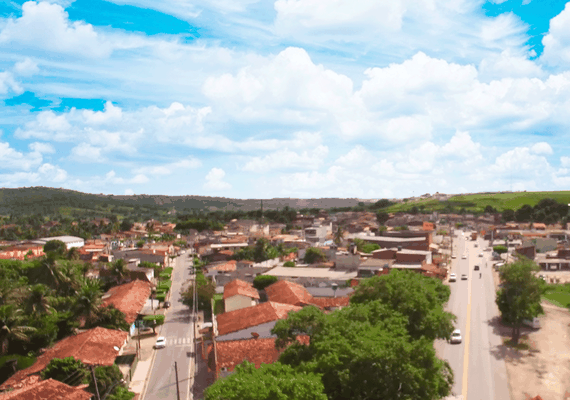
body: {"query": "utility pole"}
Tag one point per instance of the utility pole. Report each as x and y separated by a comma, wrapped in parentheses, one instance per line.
(177, 387)
(95, 380)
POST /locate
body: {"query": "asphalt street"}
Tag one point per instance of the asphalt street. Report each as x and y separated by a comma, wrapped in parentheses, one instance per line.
(179, 333)
(479, 372)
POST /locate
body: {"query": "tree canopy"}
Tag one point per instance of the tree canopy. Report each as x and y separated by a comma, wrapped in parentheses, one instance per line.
(314, 255)
(269, 382)
(419, 298)
(260, 282)
(520, 296)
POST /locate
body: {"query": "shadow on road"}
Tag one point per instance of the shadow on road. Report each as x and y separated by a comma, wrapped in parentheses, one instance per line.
(504, 352)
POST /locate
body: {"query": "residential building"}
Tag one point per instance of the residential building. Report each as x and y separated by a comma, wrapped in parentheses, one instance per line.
(259, 319)
(287, 292)
(49, 389)
(239, 294)
(312, 276)
(129, 298)
(97, 346)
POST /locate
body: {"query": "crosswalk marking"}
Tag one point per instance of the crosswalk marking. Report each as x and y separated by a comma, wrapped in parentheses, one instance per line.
(178, 341)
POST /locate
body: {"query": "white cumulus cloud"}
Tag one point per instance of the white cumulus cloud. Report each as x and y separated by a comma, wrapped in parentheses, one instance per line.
(215, 180)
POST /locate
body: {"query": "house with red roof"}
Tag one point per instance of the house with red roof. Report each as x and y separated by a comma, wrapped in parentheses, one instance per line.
(130, 298)
(239, 294)
(97, 346)
(229, 354)
(259, 319)
(292, 293)
(48, 389)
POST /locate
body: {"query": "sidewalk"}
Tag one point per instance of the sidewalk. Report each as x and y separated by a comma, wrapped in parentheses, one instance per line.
(142, 370)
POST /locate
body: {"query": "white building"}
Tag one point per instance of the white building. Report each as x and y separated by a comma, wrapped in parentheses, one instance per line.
(70, 241)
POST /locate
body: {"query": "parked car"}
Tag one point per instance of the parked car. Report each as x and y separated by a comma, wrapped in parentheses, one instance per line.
(463, 277)
(534, 324)
(476, 268)
(160, 343)
(476, 245)
(166, 304)
(464, 256)
(454, 256)
(480, 254)
(456, 336)
(452, 277)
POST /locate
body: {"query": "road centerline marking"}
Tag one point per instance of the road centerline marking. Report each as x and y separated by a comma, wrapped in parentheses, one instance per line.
(467, 334)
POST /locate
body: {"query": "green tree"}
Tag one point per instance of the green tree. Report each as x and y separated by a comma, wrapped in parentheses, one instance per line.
(206, 292)
(314, 255)
(67, 370)
(269, 382)
(289, 264)
(419, 298)
(154, 321)
(12, 326)
(111, 318)
(140, 244)
(119, 270)
(500, 249)
(88, 300)
(38, 300)
(260, 282)
(73, 254)
(364, 351)
(121, 393)
(508, 215)
(126, 225)
(519, 297)
(56, 246)
(382, 217)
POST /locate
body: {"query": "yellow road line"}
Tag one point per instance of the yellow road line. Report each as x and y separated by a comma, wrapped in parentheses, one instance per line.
(467, 334)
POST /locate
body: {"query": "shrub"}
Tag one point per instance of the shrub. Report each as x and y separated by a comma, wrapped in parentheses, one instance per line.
(289, 264)
(262, 281)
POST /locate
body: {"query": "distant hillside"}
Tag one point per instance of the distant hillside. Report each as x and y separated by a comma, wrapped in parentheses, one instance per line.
(478, 201)
(46, 200)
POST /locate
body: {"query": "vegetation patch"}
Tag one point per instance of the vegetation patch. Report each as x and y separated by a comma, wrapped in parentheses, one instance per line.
(558, 294)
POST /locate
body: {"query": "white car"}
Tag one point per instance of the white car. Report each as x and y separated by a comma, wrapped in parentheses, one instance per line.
(480, 254)
(464, 256)
(452, 277)
(534, 324)
(463, 277)
(160, 343)
(454, 256)
(456, 336)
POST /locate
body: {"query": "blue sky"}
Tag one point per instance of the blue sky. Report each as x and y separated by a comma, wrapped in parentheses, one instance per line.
(285, 98)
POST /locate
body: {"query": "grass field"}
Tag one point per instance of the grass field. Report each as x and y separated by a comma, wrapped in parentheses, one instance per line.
(478, 202)
(558, 294)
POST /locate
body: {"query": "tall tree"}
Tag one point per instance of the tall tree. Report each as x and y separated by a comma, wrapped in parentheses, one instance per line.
(339, 236)
(119, 270)
(269, 382)
(520, 295)
(88, 299)
(12, 326)
(421, 299)
(38, 300)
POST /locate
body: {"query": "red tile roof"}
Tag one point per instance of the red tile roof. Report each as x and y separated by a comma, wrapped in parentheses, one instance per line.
(248, 317)
(48, 389)
(292, 293)
(288, 293)
(257, 351)
(93, 347)
(243, 288)
(129, 298)
(225, 267)
(326, 302)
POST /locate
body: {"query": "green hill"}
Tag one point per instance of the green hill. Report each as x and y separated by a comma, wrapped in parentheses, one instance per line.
(477, 202)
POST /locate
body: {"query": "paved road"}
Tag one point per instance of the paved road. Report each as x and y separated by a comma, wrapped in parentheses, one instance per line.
(179, 333)
(478, 373)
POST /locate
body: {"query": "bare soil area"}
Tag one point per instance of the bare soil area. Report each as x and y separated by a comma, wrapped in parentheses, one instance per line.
(543, 369)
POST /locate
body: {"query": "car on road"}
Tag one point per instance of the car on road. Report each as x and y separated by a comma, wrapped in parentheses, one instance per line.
(166, 304)
(480, 254)
(476, 245)
(464, 256)
(456, 336)
(463, 277)
(160, 343)
(452, 277)
(476, 268)
(454, 256)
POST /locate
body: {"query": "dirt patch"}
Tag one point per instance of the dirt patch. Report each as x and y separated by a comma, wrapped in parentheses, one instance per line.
(543, 369)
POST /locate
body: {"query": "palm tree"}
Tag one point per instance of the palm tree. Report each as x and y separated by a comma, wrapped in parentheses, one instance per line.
(38, 300)
(88, 299)
(119, 270)
(11, 326)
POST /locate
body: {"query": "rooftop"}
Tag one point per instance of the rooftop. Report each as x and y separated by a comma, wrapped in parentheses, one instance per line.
(129, 298)
(252, 316)
(288, 293)
(298, 272)
(97, 346)
(48, 389)
(239, 287)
